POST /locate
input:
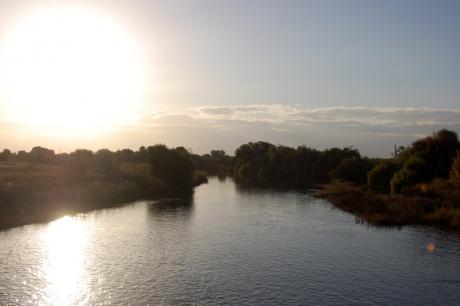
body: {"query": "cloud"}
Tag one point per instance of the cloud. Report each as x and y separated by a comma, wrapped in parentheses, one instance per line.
(380, 121)
(340, 115)
(374, 130)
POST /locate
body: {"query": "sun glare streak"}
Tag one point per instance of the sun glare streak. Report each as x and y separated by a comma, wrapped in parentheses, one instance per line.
(65, 240)
(71, 70)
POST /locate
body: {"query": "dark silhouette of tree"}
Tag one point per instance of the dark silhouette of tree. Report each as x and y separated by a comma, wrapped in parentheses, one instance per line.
(40, 155)
(262, 163)
(62, 158)
(172, 166)
(124, 156)
(104, 161)
(215, 163)
(438, 150)
(22, 156)
(140, 156)
(81, 162)
(182, 150)
(352, 169)
(5, 155)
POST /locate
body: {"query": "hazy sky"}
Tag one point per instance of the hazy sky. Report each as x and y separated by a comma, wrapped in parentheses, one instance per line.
(367, 74)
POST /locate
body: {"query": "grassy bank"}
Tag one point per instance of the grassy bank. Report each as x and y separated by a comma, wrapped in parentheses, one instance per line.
(440, 208)
(31, 193)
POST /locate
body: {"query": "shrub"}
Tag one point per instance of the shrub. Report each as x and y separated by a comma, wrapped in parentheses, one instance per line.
(415, 170)
(379, 178)
(455, 170)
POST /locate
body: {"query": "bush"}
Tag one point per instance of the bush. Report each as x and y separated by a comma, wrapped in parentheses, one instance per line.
(379, 178)
(415, 170)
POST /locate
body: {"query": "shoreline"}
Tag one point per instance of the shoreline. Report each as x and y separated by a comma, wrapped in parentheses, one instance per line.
(33, 203)
(392, 210)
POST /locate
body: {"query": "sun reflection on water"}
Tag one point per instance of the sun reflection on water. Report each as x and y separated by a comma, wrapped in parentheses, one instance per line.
(65, 242)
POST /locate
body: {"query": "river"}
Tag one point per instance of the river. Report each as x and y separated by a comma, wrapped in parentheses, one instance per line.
(227, 246)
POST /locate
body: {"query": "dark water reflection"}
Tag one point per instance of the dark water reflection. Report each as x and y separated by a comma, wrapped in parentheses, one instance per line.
(227, 246)
(171, 208)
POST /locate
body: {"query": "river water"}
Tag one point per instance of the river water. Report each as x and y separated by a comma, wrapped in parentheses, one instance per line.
(227, 246)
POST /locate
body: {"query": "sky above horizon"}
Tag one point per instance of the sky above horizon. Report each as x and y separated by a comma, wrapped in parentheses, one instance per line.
(216, 74)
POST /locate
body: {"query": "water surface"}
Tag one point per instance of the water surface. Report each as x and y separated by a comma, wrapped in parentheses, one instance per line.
(227, 246)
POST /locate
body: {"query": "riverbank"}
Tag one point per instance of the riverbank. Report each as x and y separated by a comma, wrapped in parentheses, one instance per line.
(34, 194)
(441, 209)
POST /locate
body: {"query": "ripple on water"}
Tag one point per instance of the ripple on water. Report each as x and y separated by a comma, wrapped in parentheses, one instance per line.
(227, 246)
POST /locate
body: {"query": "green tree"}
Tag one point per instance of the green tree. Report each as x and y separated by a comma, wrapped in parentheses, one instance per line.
(415, 170)
(379, 178)
(438, 151)
(252, 156)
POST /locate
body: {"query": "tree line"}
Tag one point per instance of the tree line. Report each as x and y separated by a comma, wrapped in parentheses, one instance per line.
(265, 164)
(433, 157)
(175, 166)
(419, 184)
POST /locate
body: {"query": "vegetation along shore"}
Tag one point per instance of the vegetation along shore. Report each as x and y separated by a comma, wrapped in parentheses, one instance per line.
(418, 185)
(39, 185)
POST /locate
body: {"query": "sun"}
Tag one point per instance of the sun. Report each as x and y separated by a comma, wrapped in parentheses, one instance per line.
(70, 70)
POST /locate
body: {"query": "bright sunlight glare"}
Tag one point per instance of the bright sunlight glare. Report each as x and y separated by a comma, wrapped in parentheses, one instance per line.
(71, 71)
(64, 264)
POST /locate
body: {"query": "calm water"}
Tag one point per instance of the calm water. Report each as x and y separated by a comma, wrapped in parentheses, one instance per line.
(227, 246)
